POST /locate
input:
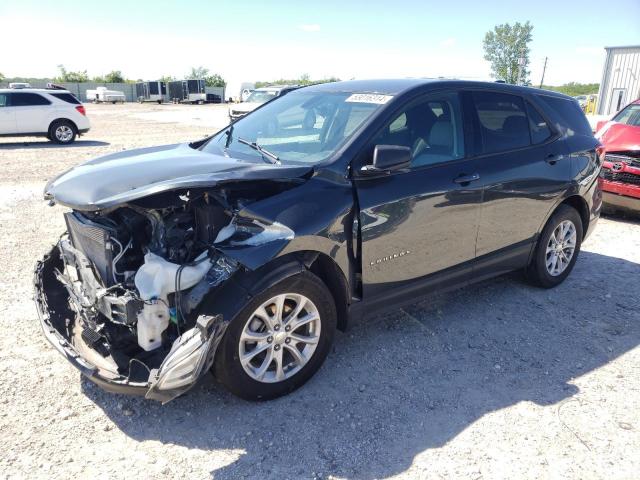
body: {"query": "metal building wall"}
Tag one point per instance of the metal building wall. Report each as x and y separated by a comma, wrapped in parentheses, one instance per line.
(621, 71)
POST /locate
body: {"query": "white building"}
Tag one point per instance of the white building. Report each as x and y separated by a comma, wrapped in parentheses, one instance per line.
(620, 79)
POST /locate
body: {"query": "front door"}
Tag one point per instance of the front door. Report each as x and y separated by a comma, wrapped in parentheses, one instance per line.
(424, 220)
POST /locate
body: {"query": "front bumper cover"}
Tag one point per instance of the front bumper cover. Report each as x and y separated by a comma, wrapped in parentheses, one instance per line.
(190, 357)
(622, 202)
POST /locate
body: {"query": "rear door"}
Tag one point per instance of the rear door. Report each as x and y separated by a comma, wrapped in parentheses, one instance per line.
(421, 221)
(7, 115)
(524, 169)
(33, 112)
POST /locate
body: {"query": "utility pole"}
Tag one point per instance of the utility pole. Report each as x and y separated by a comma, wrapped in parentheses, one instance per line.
(544, 69)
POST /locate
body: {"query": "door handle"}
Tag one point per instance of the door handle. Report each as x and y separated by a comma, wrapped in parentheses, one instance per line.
(466, 179)
(552, 158)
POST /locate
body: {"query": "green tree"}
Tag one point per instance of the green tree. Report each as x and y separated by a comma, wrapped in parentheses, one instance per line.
(303, 80)
(215, 80)
(210, 79)
(573, 88)
(114, 76)
(197, 73)
(165, 78)
(504, 46)
(1, 77)
(71, 77)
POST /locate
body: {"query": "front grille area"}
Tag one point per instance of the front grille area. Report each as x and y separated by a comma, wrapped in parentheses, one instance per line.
(93, 240)
(620, 177)
(629, 159)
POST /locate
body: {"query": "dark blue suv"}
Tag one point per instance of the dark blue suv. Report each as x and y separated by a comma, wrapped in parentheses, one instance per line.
(242, 253)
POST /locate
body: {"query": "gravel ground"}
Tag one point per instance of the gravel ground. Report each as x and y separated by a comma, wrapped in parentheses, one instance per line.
(499, 380)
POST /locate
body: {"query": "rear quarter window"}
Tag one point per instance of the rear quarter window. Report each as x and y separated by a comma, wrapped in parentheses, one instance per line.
(66, 97)
(568, 113)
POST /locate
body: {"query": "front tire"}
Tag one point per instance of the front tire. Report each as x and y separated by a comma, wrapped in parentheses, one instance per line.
(557, 248)
(62, 132)
(279, 340)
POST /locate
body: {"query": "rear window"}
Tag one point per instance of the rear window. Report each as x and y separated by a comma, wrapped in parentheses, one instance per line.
(24, 99)
(67, 97)
(569, 112)
(503, 121)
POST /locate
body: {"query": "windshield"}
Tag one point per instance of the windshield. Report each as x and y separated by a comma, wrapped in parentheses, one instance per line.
(629, 116)
(261, 96)
(302, 127)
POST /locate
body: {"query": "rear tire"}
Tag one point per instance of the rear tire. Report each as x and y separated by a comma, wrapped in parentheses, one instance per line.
(62, 132)
(290, 347)
(557, 249)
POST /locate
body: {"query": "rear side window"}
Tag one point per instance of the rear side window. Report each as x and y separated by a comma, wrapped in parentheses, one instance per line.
(569, 113)
(67, 97)
(540, 131)
(503, 121)
(3, 99)
(24, 99)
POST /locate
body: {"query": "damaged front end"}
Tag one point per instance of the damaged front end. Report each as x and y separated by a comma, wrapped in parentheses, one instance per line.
(121, 295)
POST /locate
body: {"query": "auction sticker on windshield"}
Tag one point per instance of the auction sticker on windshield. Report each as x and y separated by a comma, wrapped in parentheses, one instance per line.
(369, 98)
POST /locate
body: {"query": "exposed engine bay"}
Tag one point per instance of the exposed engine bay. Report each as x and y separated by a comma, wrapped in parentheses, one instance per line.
(136, 274)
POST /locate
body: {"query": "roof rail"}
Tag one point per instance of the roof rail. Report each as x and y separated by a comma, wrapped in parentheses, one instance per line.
(53, 86)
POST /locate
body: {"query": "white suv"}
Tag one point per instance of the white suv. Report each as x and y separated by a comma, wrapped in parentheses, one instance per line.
(52, 112)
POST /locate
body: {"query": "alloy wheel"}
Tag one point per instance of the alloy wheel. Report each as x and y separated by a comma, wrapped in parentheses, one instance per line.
(64, 133)
(279, 338)
(561, 248)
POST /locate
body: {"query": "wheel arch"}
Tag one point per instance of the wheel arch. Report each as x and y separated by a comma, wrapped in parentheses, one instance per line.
(579, 204)
(57, 119)
(230, 298)
(576, 202)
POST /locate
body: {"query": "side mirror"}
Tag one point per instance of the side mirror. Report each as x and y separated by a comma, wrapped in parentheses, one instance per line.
(388, 158)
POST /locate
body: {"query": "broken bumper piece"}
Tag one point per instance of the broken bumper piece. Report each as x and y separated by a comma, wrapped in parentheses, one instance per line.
(190, 357)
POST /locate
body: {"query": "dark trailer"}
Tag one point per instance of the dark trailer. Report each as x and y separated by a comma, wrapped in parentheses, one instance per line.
(187, 91)
(151, 91)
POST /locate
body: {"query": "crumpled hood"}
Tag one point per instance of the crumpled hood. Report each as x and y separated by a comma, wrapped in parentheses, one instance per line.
(129, 175)
(618, 137)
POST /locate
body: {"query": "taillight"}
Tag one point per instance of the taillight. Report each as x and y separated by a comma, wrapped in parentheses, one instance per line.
(81, 110)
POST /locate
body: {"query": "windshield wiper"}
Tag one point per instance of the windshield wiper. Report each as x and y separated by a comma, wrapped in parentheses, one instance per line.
(265, 153)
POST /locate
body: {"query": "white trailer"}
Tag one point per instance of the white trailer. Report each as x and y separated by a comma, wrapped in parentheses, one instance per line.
(102, 94)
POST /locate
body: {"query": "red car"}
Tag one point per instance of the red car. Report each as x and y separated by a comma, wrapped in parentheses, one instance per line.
(620, 138)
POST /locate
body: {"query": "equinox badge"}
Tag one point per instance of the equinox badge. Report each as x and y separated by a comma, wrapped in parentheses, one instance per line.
(389, 258)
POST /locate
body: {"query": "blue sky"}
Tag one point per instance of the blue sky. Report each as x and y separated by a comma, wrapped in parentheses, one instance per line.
(251, 40)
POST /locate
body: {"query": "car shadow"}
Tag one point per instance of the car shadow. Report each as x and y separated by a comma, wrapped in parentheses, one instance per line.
(624, 216)
(401, 383)
(48, 144)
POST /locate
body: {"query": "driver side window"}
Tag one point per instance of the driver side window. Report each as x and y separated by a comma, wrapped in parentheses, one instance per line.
(431, 128)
